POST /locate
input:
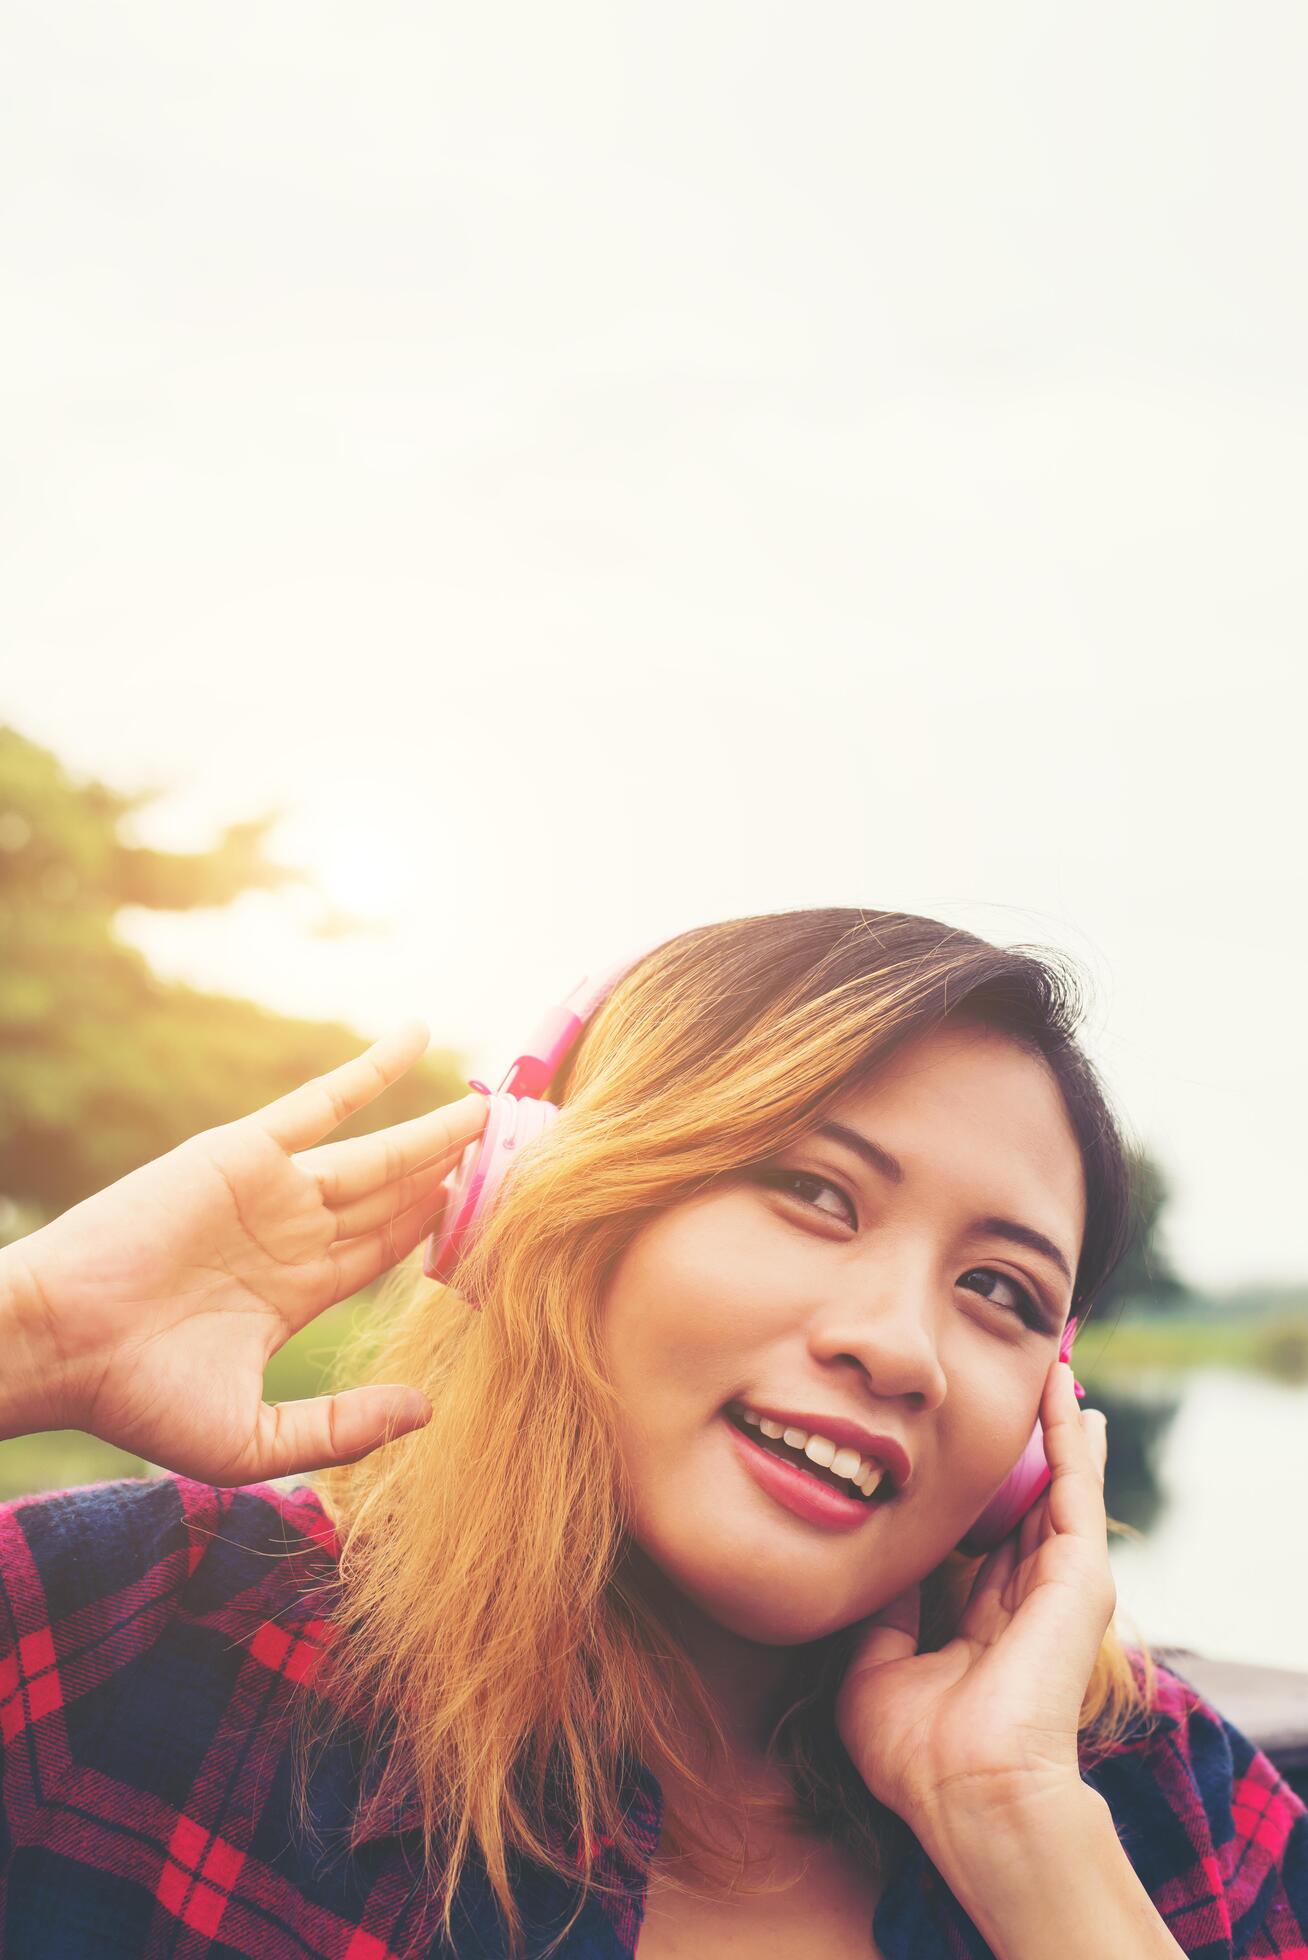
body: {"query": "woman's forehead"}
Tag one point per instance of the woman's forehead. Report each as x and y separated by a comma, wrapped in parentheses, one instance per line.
(967, 1103)
(958, 1061)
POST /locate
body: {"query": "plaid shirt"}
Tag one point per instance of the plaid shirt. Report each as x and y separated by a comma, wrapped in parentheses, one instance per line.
(150, 1634)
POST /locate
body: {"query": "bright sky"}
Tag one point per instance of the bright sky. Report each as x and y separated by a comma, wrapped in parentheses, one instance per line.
(597, 470)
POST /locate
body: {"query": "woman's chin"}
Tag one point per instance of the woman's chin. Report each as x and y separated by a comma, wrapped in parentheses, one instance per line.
(769, 1612)
(785, 1625)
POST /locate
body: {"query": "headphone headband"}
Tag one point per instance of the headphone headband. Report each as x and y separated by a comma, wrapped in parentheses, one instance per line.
(518, 1113)
(556, 1033)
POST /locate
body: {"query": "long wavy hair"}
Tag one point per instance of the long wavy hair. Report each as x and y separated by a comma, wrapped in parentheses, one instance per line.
(487, 1624)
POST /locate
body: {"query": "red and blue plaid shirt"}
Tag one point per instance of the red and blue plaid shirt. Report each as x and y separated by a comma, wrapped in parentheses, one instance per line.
(151, 1634)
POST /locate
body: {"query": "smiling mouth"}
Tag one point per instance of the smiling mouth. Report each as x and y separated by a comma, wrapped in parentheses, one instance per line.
(777, 1446)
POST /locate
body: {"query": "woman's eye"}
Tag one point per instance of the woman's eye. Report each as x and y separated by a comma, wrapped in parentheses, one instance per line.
(1024, 1304)
(805, 1188)
(802, 1184)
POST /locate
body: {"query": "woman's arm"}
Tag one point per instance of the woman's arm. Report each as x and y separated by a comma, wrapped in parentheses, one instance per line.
(1049, 1880)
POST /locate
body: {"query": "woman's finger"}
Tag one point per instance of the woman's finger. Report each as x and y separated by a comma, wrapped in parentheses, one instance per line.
(423, 1188)
(357, 1166)
(308, 1113)
(294, 1437)
(361, 1260)
(1099, 1435)
(985, 1615)
(1076, 1493)
(1031, 1530)
(889, 1635)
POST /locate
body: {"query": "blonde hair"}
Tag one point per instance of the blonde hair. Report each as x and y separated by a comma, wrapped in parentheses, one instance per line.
(485, 1618)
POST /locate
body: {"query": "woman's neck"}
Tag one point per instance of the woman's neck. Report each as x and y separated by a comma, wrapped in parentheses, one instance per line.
(745, 1679)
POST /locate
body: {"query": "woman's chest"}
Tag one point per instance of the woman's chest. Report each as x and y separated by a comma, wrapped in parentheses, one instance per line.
(829, 1911)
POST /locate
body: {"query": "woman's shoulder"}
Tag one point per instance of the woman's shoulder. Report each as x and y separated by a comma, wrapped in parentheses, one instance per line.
(154, 1636)
(1208, 1822)
(103, 1568)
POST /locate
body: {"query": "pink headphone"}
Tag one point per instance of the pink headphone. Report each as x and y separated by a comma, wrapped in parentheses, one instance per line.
(519, 1113)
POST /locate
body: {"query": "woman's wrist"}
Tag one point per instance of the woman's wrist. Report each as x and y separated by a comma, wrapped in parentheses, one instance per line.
(31, 1370)
(984, 1824)
(1047, 1876)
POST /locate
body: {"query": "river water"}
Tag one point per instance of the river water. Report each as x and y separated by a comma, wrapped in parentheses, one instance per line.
(1212, 1468)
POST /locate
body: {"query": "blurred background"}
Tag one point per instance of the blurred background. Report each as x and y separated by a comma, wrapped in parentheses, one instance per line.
(489, 488)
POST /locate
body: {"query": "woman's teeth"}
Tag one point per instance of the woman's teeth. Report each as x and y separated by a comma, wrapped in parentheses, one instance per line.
(860, 1471)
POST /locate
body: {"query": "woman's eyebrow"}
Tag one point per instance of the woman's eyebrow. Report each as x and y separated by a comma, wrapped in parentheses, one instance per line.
(871, 1153)
(1001, 1228)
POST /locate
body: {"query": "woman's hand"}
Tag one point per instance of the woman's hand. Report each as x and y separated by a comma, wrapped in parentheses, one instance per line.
(990, 1721)
(148, 1313)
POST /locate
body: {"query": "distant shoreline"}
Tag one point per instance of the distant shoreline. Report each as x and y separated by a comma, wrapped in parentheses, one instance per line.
(1274, 1342)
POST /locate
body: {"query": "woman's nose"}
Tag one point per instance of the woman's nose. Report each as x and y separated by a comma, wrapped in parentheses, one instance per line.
(889, 1330)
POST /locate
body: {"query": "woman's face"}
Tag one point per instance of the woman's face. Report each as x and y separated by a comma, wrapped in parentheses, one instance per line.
(818, 1284)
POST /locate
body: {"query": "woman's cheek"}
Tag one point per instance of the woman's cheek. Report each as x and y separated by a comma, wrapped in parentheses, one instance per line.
(716, 1279)
(996, 1435)
(755, 1266)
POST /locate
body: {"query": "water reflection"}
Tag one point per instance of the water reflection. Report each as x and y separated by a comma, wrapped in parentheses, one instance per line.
(1137, 1426)
(1212, 1467)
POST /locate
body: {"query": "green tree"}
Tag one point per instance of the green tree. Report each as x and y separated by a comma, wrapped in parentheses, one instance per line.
(1146, 1278)
(103, 1065)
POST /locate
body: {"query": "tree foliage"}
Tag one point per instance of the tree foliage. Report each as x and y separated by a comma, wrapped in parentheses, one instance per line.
(1146, 1277)
(103, 1065)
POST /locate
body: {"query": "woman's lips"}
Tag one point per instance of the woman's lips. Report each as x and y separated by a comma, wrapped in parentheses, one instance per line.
(796, 1490)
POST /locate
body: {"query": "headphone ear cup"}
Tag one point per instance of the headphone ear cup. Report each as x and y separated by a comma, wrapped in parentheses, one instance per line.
(512, 1122)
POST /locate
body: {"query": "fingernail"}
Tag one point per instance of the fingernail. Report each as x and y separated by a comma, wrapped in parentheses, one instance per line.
(479, 1087)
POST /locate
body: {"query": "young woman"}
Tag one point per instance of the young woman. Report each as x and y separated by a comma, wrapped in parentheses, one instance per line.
(631, 1605)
